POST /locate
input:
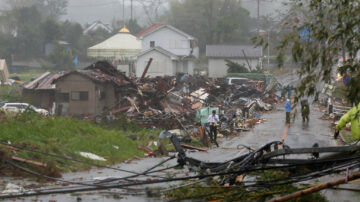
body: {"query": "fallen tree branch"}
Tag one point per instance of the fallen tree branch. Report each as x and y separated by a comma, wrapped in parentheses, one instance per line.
(317, 188)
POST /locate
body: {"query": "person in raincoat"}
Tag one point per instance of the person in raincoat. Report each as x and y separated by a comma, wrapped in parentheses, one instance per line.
(353, 116)
(305, 110)
(288, 110)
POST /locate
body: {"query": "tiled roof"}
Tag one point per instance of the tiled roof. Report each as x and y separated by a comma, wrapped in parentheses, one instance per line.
(147, 30)
(233, 51)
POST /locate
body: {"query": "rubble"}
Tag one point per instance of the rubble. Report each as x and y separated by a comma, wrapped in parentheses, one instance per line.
(173, 102)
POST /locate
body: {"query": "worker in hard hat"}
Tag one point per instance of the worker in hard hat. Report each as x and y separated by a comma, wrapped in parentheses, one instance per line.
(353, 116)
(213, 120)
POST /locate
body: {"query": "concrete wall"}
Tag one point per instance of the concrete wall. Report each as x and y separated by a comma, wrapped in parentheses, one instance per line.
(217, 67)
(171, 41)
(162, 65)
(95, 103)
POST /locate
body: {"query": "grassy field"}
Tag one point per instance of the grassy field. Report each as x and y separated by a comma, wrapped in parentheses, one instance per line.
(10, 93)
(68, 137)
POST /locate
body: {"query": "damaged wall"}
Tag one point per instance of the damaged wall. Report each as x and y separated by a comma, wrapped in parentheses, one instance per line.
(98, 98)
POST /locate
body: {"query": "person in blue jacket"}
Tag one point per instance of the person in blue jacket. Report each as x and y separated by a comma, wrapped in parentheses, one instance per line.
(288, 110)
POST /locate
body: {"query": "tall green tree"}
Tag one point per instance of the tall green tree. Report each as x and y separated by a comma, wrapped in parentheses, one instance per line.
(211, 21)
(318, 41)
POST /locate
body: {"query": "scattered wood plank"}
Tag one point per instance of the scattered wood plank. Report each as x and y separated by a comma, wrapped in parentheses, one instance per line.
(12, 148)
(146, 150)
(193, 147)
(317, 188)
(28, 161)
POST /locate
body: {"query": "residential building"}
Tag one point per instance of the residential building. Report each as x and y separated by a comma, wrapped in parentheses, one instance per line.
(41, 91)
(97, 25)
(173, 51)
(246, 55)
(89, 92)
(164, 63)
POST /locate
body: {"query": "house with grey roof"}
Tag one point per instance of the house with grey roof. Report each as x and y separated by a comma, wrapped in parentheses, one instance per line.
(217, 55)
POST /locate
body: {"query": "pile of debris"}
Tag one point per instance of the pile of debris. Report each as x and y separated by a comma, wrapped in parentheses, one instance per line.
(173, 102)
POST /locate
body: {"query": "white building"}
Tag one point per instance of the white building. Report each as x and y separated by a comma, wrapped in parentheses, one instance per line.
(164, 63)
(121, 45)
(217, 55)
(172, 50)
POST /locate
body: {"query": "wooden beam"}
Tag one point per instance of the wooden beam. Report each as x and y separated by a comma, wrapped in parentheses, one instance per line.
(29, 161)
(193, 147)
(146, 69)
(317, 188)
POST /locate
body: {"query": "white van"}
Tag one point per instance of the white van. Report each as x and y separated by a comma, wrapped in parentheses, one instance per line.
(236, 80)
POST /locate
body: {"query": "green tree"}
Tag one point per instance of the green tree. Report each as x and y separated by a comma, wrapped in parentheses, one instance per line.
(28, 37)
(211, 21)
(236, 67)
(329, 32)
(61, 58)
(133, 26)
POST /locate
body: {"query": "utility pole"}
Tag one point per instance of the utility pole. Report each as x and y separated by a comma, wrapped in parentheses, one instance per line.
(131, 10)
(124, 11)
(258, 15)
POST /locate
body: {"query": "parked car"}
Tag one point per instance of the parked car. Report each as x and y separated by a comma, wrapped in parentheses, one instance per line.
(21, 107)
(236, 80)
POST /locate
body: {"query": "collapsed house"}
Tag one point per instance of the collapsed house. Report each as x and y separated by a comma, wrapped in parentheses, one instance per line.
(41, 91)
(91, 91)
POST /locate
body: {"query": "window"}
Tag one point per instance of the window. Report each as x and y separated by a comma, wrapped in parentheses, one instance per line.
(63, 97)
(80, 96)
(152, 44)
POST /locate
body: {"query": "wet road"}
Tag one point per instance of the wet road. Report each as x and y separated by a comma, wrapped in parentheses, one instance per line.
(299, 135)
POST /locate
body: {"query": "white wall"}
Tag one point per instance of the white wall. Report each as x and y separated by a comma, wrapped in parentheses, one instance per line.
(161, 65)
(170, 41)
(218, 69)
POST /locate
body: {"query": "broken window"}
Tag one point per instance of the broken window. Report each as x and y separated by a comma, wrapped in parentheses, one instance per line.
(63, 97)
(80, 96)
(152, 44)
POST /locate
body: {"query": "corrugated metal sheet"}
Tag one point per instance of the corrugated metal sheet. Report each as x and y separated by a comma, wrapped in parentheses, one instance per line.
(44, 81)
(233, 51)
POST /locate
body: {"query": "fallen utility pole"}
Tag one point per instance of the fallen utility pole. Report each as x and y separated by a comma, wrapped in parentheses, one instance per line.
(146, 69)
(317, 188)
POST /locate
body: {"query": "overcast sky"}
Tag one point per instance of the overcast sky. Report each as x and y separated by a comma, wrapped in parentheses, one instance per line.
(88, 11)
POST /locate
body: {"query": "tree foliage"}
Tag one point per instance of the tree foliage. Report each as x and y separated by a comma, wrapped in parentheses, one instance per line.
(236, 67)
(211, 21)
(62, 58)
(332, 32)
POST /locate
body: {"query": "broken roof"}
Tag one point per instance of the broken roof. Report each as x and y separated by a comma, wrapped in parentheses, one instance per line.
(101, 72)
(233, 51)
(43, 82)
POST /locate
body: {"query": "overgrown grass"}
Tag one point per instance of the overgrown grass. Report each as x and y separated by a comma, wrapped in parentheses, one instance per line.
(10, 93)
(68, 137)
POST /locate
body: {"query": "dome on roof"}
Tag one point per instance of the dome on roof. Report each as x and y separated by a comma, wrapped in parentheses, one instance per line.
(122, 44)
(124, 30)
